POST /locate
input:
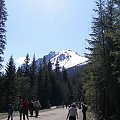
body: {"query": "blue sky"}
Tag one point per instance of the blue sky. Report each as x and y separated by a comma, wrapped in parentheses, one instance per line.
(40, 26)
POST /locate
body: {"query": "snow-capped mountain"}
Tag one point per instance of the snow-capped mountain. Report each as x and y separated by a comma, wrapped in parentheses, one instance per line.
(66, 58)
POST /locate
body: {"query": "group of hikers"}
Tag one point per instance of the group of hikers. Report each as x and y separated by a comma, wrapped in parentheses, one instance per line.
(24, 107)
(72, 111)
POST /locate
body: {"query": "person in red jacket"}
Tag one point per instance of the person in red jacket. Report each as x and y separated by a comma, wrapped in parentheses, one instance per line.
(25, 108)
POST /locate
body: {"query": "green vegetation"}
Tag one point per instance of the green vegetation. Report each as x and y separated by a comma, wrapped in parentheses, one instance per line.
(88, 115)
(102, 75)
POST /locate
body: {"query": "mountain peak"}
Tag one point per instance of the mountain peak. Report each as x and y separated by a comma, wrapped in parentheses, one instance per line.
(66, 58)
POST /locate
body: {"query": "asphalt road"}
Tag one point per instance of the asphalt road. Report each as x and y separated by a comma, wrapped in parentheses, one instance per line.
(55, 114)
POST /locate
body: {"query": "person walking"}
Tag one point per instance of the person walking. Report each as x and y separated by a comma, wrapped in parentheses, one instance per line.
(79, 105)
(37, 106)
(72, 112)
(10, 112)
(31, 107)
(25, 108)
(20, 108)
(66, 105)
(84, 109)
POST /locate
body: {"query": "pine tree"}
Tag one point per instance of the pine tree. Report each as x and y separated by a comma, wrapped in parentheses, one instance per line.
(57, 67)
(19, 72)
(65, 75)
(2, 93)
(33, 81)
(116, 39)
(26, 67)
(102, 58)
(98, 58)
(23, 79)
(113, 36)
(49, 66)
(51, 77)
(10, 81)
(3, 18)
(44, 87)
(33, 72)
(64, 88)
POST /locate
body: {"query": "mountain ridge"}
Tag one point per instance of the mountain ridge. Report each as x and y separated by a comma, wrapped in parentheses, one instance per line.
(66, 58)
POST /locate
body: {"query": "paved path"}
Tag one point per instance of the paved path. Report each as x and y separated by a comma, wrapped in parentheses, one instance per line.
(56, 114)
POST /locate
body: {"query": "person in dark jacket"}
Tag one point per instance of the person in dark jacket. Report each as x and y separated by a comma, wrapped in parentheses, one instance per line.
(84, 109)
(10, 112)
(20, 108)
(31, 107)
(37, 106)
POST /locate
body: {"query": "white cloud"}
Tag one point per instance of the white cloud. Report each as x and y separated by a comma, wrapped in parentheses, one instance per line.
(20, 60)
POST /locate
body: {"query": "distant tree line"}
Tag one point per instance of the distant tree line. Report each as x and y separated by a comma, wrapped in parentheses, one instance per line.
(101, 78)
(50, 87)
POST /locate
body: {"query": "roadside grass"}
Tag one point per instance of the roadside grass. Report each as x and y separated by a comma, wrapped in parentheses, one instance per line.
(88, 113)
